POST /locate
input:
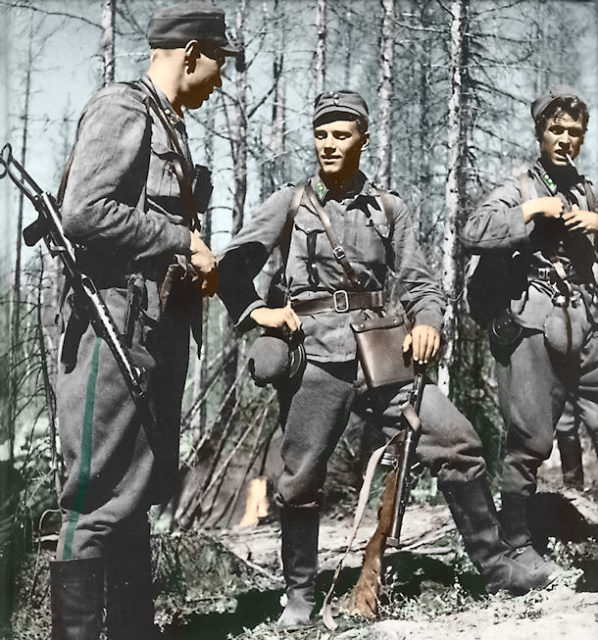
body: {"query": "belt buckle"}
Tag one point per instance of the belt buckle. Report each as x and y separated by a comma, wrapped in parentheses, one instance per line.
(340, 299)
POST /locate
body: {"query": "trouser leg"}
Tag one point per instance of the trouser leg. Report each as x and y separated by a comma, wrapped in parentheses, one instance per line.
(569, 444)
(313, 417)
(531, 398)
(111, 472)
(587, 390)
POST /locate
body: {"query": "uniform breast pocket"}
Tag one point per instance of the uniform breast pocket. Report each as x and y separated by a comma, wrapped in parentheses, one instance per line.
(373, 241)
(162, 181)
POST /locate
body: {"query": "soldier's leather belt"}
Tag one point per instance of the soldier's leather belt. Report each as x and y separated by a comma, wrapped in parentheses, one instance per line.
(340, 301)
(548, 274)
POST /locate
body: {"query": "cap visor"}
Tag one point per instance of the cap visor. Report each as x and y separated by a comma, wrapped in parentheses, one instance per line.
(229, 49)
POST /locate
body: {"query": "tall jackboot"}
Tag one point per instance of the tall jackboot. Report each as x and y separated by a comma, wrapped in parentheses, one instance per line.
(299, 528)
(514, 518)
(77, 598)
(571, 463)
(475, 515)
(129, 597)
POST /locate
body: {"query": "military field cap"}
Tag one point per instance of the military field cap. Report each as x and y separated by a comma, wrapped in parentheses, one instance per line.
(273, 360)
(174, 26)
(540, 104)
(342, 101)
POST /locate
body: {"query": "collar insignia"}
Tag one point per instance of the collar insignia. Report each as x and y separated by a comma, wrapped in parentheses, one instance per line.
(549, 182)
(320, 190)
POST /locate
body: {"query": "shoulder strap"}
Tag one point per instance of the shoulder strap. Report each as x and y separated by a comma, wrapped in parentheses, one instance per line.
(590, 195)
(337, 250)
(285, 236)
(183, 171)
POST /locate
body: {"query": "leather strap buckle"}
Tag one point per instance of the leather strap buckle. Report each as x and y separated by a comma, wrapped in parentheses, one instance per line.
(340, 299)
(544, 273)
(339, 252)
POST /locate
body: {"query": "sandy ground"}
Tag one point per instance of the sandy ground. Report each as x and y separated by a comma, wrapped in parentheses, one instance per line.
(568, 610)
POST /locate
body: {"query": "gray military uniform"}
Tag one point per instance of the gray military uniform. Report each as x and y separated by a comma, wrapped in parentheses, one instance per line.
(315, 414)
(533, 380)
(123, 203)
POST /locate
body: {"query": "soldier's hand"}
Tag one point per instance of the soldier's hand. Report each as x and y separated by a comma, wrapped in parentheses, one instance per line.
(580, 220)
(204, 264)
(425, 342)
(280, 318)
(548, 207)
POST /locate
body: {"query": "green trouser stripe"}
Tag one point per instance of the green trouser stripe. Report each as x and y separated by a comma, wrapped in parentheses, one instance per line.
(85, 463)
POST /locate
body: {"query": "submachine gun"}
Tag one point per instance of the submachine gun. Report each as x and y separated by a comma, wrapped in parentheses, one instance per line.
(399, 456)
(88, 300)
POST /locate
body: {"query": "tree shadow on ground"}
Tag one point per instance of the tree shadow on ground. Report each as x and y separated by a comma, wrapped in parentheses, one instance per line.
(253, 608)
(411, 575)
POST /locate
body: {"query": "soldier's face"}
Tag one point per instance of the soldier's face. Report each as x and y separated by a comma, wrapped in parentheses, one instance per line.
(562, 136)
(202, 76)
(338, 146)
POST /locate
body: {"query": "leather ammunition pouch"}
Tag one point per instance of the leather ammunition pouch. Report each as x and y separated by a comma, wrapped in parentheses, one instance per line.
(380, 350)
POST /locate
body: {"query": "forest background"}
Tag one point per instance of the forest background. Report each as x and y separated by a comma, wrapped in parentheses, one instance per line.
(449, 86)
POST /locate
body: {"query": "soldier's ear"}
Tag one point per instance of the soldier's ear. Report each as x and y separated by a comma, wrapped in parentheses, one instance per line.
(192, 52)
(365, 141)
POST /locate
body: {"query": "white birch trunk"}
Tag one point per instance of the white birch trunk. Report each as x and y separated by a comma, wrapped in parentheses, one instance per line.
(108, 21)
(320, 56)
(453, 191)
(385, 95)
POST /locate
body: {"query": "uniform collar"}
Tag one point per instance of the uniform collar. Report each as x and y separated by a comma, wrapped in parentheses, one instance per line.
(360, 186)
(167, 108)
(555, 179)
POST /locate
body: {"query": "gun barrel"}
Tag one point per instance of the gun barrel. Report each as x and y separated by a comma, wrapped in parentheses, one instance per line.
(405, 451)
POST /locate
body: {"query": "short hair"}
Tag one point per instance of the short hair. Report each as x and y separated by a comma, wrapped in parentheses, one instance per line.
(575, 107)
(333, 116)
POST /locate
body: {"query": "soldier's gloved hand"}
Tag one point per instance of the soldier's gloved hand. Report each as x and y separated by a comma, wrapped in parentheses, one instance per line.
(425, 342)
(548, 207)
(204, 263)
(280, 318)
(580, 220)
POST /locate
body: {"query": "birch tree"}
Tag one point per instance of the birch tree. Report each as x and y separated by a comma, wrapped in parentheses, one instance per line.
(320, 53)
(385, 95)
(454, 191)
(107, 44)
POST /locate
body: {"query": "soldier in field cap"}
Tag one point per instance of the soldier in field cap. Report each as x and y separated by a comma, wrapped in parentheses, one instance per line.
(131, 198)
(322, 297)
(536, 235)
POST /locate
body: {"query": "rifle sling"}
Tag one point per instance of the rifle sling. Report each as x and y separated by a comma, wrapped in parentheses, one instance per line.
(413, 421)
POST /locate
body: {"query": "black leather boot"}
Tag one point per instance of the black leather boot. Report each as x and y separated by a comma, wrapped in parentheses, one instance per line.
(77, 598)
(129, 597)
(517, 534)
(299, 528)
(571, 463)
(475, 515)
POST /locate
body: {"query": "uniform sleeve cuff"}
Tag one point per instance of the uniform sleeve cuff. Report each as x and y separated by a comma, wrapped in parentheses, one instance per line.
(245, 321)
(520, 228)
(430, 318)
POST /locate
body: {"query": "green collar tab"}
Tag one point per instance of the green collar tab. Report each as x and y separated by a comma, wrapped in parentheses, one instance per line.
(320, 190)
(549, 182)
